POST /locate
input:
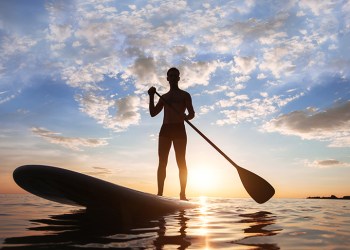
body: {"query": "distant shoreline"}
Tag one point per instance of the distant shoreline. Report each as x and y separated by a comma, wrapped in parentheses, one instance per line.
(332, 197)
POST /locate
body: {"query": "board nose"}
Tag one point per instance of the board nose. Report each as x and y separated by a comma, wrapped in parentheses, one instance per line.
(24, 176)
(19, 174)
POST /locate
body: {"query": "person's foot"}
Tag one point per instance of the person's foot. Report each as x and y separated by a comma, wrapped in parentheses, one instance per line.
(183, 197)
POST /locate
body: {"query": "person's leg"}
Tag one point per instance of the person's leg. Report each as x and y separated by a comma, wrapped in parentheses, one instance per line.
(164, 145)
(180, 153)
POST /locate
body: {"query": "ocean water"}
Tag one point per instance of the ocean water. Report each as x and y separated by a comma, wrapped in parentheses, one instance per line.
(29, 222)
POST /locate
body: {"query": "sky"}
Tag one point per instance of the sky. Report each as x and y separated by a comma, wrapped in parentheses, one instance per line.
(269, 82)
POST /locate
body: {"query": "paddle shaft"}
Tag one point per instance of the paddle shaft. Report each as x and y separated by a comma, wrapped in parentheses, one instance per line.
(201, 134)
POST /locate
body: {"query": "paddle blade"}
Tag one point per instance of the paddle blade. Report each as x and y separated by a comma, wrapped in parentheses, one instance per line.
(258, 188)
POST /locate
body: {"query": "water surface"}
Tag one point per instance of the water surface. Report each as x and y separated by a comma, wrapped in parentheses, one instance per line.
(29, 222)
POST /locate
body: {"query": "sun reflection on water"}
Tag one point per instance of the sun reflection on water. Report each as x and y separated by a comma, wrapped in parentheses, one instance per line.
(203, 218)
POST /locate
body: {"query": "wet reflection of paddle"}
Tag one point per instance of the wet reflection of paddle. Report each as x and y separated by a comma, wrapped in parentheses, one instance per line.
(258, 226)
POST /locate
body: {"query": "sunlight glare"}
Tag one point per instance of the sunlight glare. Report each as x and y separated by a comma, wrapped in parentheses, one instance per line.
(203, 179)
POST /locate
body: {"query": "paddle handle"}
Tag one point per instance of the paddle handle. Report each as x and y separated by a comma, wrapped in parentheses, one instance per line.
(201, 134)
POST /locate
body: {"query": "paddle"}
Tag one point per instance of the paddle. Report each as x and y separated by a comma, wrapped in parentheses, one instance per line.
(258, 188)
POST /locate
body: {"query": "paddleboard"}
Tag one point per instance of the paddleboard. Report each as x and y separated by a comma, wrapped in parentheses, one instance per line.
(73, 188)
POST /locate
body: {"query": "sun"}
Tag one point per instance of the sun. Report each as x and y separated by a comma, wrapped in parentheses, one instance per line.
(203, 179)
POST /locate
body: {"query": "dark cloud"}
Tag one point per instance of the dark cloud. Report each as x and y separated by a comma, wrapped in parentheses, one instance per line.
(329, 163)
(332, 124)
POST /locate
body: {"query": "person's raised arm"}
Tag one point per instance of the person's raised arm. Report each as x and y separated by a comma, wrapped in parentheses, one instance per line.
(154, 109)
(189, 108)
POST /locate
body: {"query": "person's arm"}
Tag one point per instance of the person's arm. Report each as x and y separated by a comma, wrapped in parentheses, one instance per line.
(189, 108)
(154, 109)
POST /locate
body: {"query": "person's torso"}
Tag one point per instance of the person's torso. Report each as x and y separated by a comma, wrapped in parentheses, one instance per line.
(177, 100)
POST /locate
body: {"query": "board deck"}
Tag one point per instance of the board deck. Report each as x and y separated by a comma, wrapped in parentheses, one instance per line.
(73, 188)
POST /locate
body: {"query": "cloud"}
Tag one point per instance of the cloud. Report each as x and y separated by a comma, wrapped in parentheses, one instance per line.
(317, 7)
(15, 44)
(329, 163)
(273, 38)
(99, 171)
(86, 77)
(261, 76)
(197, 73)
(218, 89)
(73, 143)
(101, 108)
(244, 65)
(146, 72)
(206, 109)
(284, 55)
(59, 33)
(16, 56)
(144, 69)
(7, 98)
(346, 11)
(95, 106)
(332, 125)
(241, 79)
(127, 113)
(241, 108)
(254, 28)
(276, 60)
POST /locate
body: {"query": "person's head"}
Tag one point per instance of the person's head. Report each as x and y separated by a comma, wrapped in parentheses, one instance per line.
(173, 75)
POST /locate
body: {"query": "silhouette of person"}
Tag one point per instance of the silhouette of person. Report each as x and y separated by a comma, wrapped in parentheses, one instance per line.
(173, 128)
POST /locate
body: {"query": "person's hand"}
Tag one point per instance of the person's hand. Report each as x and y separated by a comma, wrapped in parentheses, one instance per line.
(152, 91)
